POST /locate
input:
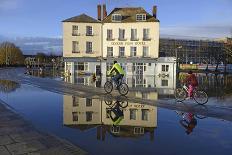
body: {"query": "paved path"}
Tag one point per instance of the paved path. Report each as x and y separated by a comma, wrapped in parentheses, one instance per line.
(19, 137)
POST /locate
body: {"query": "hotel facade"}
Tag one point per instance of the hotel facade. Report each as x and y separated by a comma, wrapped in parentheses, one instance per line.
(87, 113)
(128, 35)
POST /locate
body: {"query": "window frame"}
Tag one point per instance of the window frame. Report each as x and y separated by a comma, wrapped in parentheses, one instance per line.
(112, 51)
(75, 47)
(135, 38)
(121, 34)
(133, 53)
(120, 51)
(116, 18)
(90, 50)
(141, 17)
(89, 33)
(147, 36)
(109, 35)
(75, 30)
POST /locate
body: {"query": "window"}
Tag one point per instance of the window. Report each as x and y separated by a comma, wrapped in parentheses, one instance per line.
(138, 130)
(141, 17)
(164, 83)
(109, 51)
(165, 68)
(134, 34)
(75, 47)
(144, 95)
(145, 51)
(89, 47)
(121, 34)
(109, 34)
(115, 129)
(145, 114)
(132, 114)
(75, 116)
(89, 30)
(116, 17)
(82, 66)
(133, 51)
(75, 30)
(89, 116)
(146, 34)
(75, 101)
(88, 102)
(121, 51)
(86, 66)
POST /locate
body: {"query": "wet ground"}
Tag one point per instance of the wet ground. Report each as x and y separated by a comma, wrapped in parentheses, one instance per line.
(85, 117)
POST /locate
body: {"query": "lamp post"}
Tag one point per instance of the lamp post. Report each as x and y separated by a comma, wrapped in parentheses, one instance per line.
(177, 59)
(53, 61)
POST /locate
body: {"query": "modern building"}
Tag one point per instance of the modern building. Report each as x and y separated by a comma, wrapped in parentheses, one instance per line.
(194, 51)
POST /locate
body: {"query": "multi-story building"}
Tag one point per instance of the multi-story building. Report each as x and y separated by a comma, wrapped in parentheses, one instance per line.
(84, 113)
(81, 43)
(129, 35)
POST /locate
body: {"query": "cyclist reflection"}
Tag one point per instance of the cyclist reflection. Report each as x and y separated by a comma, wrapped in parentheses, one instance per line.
(189, 122)
(115, 111)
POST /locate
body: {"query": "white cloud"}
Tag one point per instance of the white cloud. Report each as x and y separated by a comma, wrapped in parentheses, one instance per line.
(9, 4)
(198, 31)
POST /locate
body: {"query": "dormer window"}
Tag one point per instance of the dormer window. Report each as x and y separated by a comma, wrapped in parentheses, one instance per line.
(140, 17)
(116, 17)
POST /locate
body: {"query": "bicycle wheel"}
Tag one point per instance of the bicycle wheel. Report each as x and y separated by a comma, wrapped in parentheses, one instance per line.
(108, 99)
(108, 87)
(180, 94)
(200, 97)
(123, 89)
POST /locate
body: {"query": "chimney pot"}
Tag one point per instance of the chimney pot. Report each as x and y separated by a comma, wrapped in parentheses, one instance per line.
(104, 11)
(154, 11)
(99, 12)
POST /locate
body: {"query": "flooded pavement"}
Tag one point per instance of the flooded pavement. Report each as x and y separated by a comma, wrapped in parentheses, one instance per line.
(150, 122)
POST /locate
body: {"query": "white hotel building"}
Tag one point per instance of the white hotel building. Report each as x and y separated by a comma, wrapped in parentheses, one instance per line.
(128, 35)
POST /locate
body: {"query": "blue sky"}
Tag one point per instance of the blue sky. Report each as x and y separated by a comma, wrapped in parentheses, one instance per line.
(201, 18)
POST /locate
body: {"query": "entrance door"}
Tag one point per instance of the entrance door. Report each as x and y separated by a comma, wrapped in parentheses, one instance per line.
(98, 70)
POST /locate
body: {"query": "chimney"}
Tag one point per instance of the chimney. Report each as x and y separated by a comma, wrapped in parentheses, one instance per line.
(104, 11)
(99, 12)
(154, 11)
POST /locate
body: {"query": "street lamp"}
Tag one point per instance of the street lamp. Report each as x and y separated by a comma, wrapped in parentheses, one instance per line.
(177, 59)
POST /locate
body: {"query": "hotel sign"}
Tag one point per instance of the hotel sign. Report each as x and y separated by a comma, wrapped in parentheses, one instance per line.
(121, 43)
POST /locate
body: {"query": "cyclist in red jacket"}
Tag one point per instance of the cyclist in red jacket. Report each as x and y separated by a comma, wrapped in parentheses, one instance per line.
(191, 81)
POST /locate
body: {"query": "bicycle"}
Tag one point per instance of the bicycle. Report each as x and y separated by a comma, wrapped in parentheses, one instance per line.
(121, 87)
(199, 96)
(121, 101)
(115, 110)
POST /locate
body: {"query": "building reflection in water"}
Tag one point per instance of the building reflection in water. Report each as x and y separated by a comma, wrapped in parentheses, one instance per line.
(85, 113)
(164, 84)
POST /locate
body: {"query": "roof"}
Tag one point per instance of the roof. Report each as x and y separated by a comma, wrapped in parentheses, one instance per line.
(83, 18)
(129, 15)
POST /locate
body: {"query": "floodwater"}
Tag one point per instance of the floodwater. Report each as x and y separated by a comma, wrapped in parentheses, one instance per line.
(106, 126)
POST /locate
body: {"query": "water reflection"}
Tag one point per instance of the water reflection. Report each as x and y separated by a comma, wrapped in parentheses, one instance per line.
(214, 84)
(7, 86)
(116, 117)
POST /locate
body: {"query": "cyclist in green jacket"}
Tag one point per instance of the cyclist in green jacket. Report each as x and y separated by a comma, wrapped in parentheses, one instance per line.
(117, 71)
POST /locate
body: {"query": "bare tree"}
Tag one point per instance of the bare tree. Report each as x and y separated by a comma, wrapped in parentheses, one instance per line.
(10, 54)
